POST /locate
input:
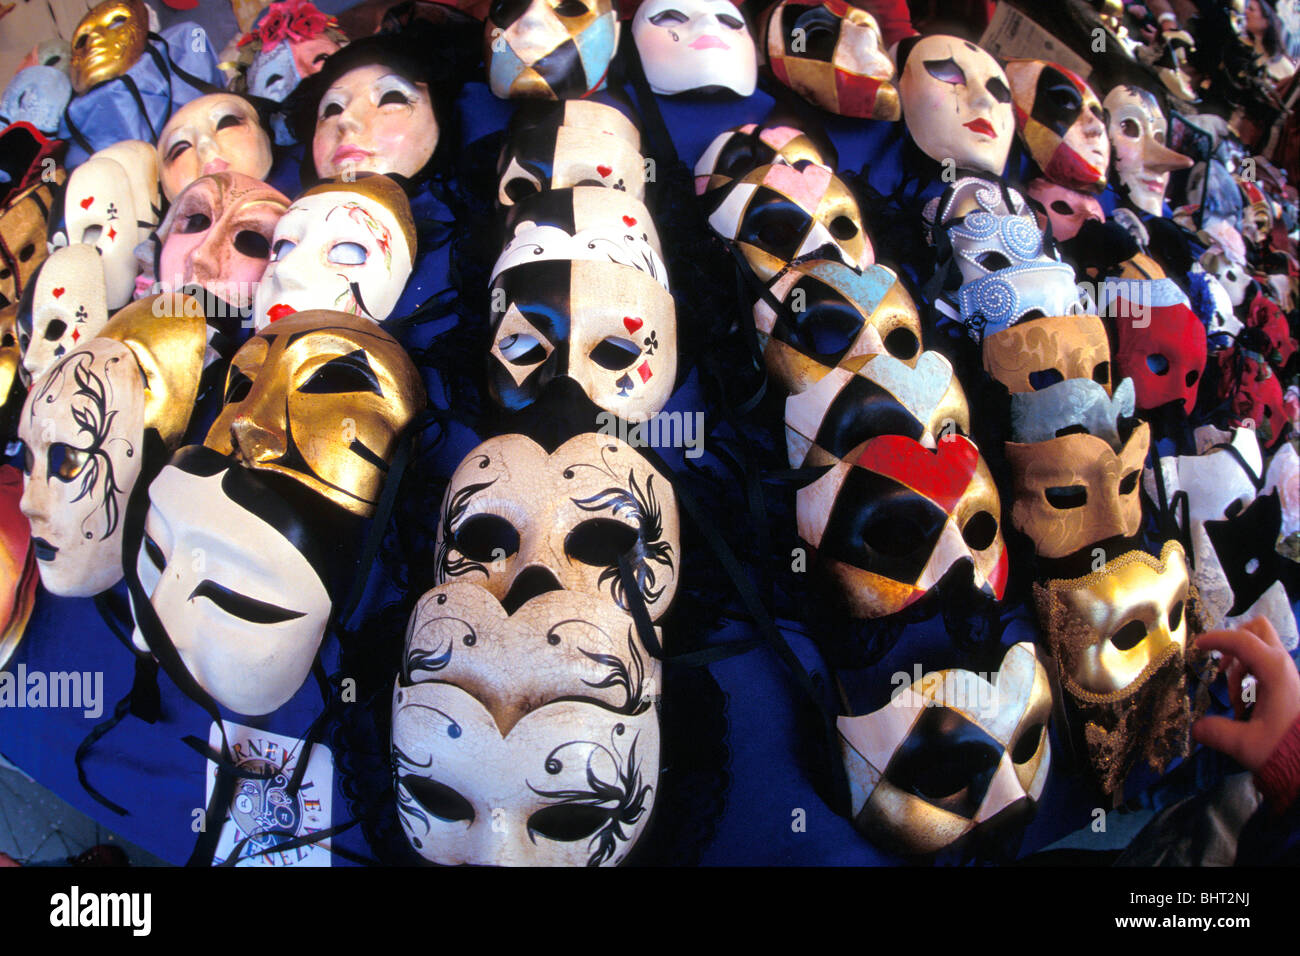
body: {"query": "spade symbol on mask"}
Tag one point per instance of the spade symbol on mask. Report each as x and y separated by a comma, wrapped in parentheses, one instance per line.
(624, 385)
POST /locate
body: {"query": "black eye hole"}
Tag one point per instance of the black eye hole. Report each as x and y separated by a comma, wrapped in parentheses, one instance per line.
(82, 41)
(65, 462)
(177, 149)
(252, 244)
(5, 274)
(1098, 112)
(1176, 616)
(614, 353)
(242, 606)
(668, 17)
(1044, 378)
(439, 799)
(1129, 636)
(1128, 484)
(26, 252)
(229, 120)
(7, 341)
(1065, 497)
(571, 8)
(1191, 377)
(394, 97)
(1129, 128)
(590, 182)
(237, 387)
(1101, 373)
(734, 23)
(54, 331)
(998, 90)
(1158, 364)
(902, 343)
(992, 261)
(154, 553)
(567, 823)
(946, 70)
(519, 348)
(346, 373)
(518, 189)
(196, 222)
(1062, 208)
(273, 79)
(1066, 99)
(332, 109)
(1028, 744)
(980, 531)
(117, 21)
(90, 235)
(964, 764)
(486, 537)
(29, 460)
(842, 228)
(320, 58)
(600, 542)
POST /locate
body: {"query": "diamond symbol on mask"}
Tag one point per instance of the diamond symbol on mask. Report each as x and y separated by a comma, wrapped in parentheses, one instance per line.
(624, 385)
(651, 342)
(76, 334)
(112, 233)
(644, 371)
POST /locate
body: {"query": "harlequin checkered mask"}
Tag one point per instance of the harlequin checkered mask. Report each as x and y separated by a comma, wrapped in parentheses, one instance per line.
(892, 518)
(832, 54)
(529, 738)
(549, 49)
(778, 213)
(1062, 122)
(695, 45)
(1119, 637)
(736, 152)
(833, 314)
(955, 756)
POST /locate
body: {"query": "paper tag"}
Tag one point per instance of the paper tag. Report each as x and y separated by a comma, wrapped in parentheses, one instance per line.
(1012, 34)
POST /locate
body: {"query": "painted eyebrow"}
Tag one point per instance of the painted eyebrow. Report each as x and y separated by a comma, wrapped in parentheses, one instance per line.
(243, 606)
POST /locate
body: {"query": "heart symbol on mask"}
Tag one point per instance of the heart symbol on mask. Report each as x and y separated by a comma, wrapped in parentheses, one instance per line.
(604, 171)
(629, 221)
(58, 292)
(85, 203)
(632, 324)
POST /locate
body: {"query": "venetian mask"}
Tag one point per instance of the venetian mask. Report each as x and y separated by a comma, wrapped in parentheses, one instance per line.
(1119, 637)
(1247, 571)
(1064, 408)
(832, 55)
(235, 572)
(891, 521)
(1231, 274)
(289, 48)
(1161, 343)
(212, 134)
(611, 329)
(346, 247)
(107, 42)
(549, 49)
(64, 306)
(555, 155)
(521, 522)
(1061, 120)
(1038, 353)
(322, 398)
(923, 401)
(957, 104)
(513, 750)
(374, 120)
(18, 574)
(736, 152)
(834, 315)
(1255, 395)
(953, 757)
(1142, 160)
(112, 203)
(218, 235)
(1078, 489)
(23, 225)
(1066, 209)
(11, 354)
(779, 213)
(36, 95)
(695, 45)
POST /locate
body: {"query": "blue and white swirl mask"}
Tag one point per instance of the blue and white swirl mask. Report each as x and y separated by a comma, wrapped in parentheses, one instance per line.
(1001, 299)
(984, 243)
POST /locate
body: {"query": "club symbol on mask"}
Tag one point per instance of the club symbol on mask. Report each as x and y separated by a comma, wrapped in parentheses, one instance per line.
(651, 342)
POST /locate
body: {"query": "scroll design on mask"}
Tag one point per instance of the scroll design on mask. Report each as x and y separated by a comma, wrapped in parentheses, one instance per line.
(629, 674)
(453, 510)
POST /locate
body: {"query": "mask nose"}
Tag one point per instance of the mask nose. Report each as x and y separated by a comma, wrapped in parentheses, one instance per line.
(256, 435)
(1158, 158)
(528, 584)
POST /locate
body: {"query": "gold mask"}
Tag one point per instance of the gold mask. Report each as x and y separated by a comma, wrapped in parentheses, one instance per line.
(168, 335)
(22, 236)
(1032, 355)
(107, 42)
(322, 397)
(1074, 491)
(11, 356)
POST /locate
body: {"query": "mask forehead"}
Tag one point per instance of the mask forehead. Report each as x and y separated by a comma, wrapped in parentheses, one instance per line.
(107, 42)
(547, 156)
(322, 398)
(549, 49)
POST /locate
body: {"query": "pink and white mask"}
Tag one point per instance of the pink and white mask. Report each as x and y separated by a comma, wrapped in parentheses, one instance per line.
(1142, 160)
(695, 45)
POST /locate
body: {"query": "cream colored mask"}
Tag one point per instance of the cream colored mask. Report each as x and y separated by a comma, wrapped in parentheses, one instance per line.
(1142, 160)
(346, 247)
(374, 120)
(83, 428)
(107, 42)
(112, 203)
(63, 307)
(528, 739)
(520, 522)
(557, 155)
(212, 134)
(957, 104)
(953, 757)
(695, 45)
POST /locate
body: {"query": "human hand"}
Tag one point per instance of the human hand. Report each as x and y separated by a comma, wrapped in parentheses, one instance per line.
(1255, 649)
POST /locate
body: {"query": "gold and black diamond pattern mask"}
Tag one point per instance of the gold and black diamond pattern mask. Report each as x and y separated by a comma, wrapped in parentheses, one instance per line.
(321, 397)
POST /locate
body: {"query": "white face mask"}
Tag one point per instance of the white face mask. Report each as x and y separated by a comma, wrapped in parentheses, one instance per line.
(694, 45)
(243, 606)
(82, 427)
(1137, 133)
(334, 250)
(513, 750)
(67, 308)
(212, 134)
(111, 203)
